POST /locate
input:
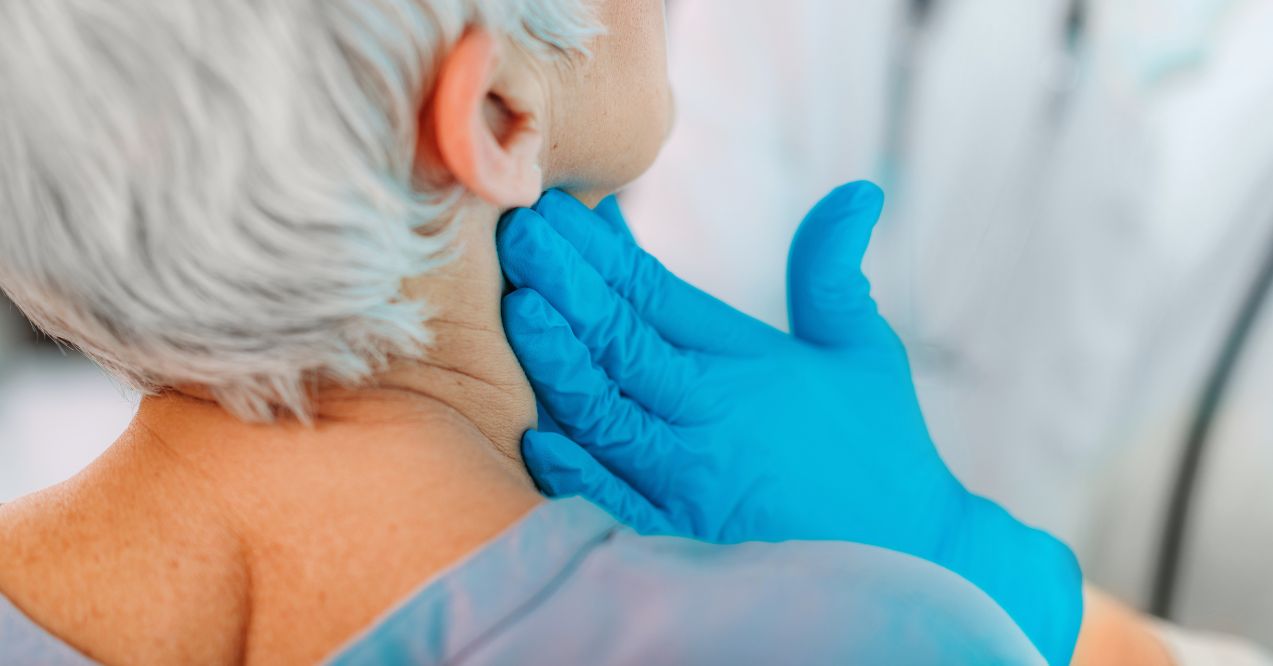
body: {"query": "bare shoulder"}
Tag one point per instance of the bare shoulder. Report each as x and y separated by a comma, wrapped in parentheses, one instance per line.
(29, 556)
(22, 524)
(123, 576)
(45, 531)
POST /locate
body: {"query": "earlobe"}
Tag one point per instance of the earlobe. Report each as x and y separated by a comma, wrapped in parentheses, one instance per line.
(489, 145)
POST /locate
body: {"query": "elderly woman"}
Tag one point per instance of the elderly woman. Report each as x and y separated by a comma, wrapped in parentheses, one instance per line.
(277, 219)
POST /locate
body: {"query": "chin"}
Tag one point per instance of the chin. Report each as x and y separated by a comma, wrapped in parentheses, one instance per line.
(637, 158)
(591, 191)
(614, 155)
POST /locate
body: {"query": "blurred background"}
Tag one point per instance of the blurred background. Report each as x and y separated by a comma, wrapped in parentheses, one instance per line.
(57, 410)
(1077, 248)
(1076, 252)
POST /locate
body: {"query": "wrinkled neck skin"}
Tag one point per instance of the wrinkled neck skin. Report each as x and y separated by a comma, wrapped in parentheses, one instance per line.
(467, 385)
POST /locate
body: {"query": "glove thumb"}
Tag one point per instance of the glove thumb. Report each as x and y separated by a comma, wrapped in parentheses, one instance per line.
(610, 211)
(828, 296)
(562, 468)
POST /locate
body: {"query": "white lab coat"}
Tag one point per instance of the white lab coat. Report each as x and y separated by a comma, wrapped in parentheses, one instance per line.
(1055, 220)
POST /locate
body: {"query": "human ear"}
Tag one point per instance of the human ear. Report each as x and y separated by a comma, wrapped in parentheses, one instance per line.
(488, 133)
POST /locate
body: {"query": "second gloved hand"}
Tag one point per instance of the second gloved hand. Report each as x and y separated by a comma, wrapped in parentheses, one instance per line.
(686, 417)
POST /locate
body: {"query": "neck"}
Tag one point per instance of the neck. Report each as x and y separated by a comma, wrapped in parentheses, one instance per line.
(446, 429)
(455, 416)
(393, 481)
(469, 375)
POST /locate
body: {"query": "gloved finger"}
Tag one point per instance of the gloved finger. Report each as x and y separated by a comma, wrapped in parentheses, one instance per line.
(829, 297)
(609, 211)
(643, 365)
(580, 397)
(684, 315)
(562, 468)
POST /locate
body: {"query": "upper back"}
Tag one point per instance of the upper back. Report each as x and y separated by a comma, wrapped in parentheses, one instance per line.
(254, 548)
(121, 579)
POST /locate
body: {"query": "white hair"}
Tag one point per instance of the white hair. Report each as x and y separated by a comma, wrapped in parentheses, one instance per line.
(219, 192)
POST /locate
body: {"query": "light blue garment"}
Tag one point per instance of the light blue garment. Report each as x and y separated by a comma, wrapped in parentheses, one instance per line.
(22, 641)
(568, 585)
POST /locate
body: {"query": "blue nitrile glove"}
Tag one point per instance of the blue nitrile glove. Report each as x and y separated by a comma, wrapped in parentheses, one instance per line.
(688, 417)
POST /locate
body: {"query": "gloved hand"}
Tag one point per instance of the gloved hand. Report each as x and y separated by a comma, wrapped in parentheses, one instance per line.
(690, 418)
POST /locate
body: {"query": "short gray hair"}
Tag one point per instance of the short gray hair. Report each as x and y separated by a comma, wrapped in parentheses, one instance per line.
(219, 192)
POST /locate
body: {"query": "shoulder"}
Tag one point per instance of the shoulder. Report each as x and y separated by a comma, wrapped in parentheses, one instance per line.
(23, 525)
(32, 563)
(677, 600)
(117, 577)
